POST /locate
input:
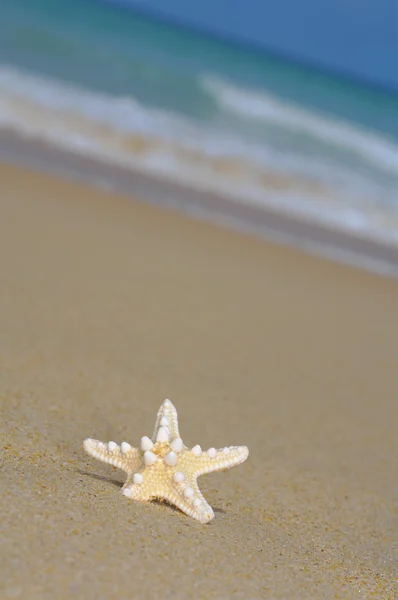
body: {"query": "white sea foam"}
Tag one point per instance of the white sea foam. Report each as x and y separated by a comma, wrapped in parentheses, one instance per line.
(377, 150)
(123, 131)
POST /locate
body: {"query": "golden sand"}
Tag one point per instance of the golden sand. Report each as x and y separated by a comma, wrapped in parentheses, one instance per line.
(107, 306)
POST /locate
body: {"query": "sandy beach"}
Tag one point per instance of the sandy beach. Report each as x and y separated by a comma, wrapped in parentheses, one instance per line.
(108, 306)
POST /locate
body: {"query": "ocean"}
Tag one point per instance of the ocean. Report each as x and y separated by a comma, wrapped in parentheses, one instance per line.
(103, 81)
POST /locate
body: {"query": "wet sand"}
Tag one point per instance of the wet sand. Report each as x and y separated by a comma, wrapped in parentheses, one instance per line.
(108, 306)
(364, 249)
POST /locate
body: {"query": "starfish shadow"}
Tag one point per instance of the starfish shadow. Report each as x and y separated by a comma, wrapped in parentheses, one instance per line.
(219, 510)
(101, 478)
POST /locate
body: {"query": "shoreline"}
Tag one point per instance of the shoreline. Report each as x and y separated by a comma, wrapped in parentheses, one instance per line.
(275, 226)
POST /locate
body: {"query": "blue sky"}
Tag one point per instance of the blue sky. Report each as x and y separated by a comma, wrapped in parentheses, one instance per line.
(358, 37)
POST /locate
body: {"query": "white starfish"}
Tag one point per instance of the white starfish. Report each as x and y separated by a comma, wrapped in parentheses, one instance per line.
(165, 468)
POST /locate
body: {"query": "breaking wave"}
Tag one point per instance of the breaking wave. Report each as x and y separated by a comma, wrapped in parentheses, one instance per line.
(255, 148)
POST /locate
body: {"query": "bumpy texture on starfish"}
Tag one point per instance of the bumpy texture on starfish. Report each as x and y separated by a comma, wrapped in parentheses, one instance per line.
(165, 468)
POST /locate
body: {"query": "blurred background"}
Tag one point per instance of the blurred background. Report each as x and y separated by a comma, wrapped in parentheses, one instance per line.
(287, 105)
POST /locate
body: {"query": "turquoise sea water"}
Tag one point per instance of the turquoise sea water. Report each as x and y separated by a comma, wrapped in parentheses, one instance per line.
(103, 80)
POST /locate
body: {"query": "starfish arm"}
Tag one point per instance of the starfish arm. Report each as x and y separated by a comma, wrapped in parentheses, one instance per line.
(140, 489)
(124, 457)
(167, 417)
(163, 482)
(187, 496)
(149, 481)
(212, 460)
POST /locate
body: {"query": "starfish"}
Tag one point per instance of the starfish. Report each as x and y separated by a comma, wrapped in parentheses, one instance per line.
(164, 468)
